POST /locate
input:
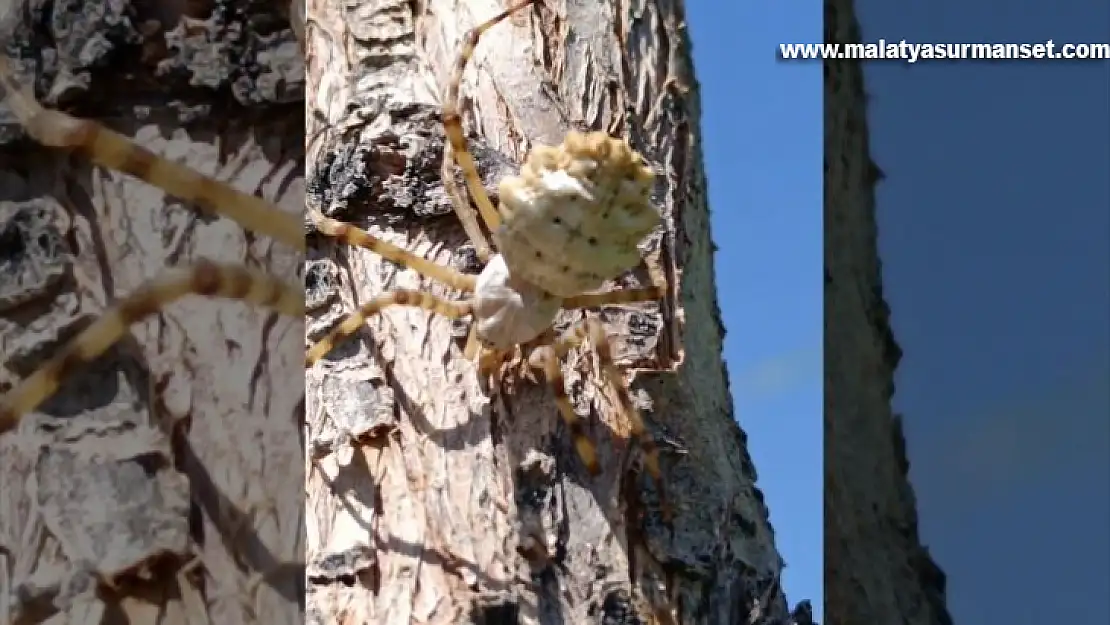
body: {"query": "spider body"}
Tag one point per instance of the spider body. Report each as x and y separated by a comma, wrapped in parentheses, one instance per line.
(570, 221)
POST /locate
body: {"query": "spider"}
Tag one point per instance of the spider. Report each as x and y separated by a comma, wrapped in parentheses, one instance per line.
(571, 220)
(205, 278)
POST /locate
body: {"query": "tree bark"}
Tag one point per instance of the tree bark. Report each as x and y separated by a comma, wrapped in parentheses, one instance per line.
(174, 454)
(436, 498)
(876, 569)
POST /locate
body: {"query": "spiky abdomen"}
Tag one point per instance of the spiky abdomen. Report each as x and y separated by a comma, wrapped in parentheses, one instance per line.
(575, 214)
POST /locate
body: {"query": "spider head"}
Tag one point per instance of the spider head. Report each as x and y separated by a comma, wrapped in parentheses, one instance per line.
(510, 311)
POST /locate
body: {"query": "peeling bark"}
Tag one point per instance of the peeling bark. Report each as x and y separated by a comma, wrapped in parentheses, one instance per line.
(876, 569)
(436, 498)
(166, 465)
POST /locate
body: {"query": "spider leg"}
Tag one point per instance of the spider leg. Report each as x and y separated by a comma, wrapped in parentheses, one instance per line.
(616, 380)
(400, 297)
(115, 151)
(456, 140)
(613, 376)
(465, 212)
(609, 298)
(206, 278)
(473, 347)
(546, 358)
(358, 237)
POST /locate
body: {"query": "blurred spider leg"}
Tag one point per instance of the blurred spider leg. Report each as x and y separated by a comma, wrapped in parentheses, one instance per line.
(205, 278)
(473, 347)
(115, 151)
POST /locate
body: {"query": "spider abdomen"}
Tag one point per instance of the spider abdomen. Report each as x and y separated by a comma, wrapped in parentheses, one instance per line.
(573, 217)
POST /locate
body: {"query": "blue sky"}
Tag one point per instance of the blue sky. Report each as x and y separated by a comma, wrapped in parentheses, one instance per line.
(995, 236)
(762, 133)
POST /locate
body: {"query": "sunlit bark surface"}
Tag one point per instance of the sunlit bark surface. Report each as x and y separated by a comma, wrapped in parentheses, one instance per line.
(435, 497)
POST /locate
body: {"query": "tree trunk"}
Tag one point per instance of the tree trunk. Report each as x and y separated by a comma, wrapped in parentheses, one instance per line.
(436, 498)
(876, 569)
(174, 454)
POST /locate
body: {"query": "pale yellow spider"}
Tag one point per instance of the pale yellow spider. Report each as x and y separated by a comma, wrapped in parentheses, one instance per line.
(570, 221)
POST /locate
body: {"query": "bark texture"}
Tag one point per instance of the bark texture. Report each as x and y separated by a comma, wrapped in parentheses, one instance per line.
(172, 464)
(435, 497)
(876, 569)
